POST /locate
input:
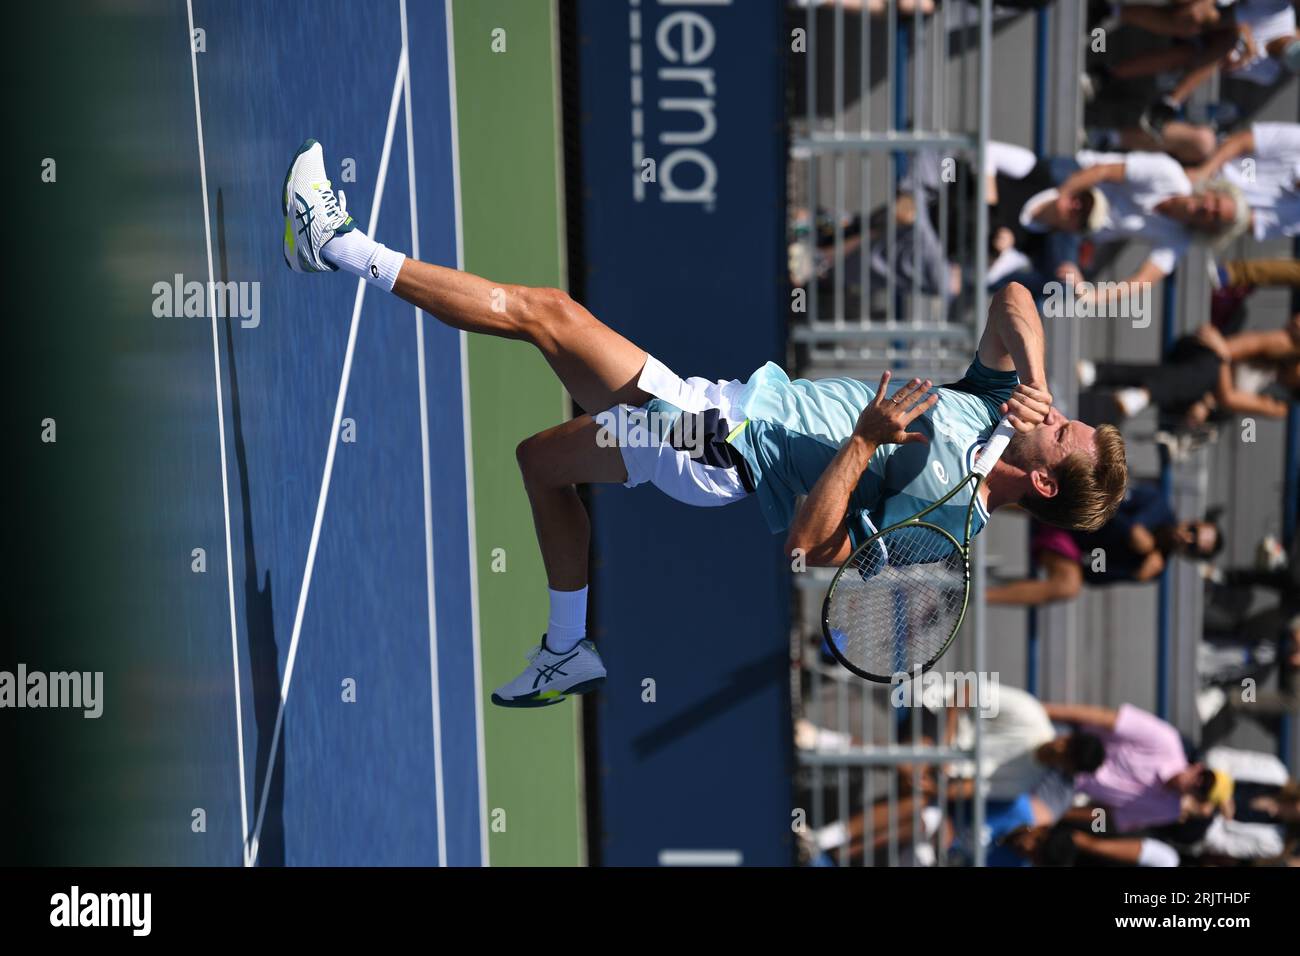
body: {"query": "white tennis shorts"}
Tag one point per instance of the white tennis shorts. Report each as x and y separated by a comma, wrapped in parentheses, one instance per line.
(672, 450)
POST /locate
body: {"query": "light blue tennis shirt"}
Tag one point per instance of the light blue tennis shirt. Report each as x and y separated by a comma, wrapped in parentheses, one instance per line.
(795, 428)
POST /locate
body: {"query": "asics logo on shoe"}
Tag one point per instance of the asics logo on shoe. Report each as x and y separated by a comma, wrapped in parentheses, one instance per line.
(303, 215)
(547, 672)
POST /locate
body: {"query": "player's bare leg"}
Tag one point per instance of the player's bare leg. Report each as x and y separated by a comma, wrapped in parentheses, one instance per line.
(600, 369)
(598, 366)
(552, 463)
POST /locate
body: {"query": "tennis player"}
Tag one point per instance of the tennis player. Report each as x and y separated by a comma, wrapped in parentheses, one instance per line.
(864, 457)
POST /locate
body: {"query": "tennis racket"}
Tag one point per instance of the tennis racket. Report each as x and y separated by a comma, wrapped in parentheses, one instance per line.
(896, 604)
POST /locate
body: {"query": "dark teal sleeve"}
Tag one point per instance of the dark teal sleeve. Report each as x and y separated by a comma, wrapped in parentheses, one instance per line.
(992, 386)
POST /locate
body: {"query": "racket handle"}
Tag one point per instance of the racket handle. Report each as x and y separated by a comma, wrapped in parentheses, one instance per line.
(994, 448)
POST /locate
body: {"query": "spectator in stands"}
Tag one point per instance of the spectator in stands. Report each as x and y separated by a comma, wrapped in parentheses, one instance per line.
(1012, 175)
(1146, 780)
(1175, 18)
(1026, 244)
(1253, 647)
(1017, 834)
(1043, 805)
(1237, 279)
(1135, 546)
(1256, 41)
(1259, 818)
(1020, 746)
(1206, 375)
(1028, 772)
(916, 259)
(1028, 846)
(1190, 143)
(1146, 196)
(1244, 642)
(1262, 164)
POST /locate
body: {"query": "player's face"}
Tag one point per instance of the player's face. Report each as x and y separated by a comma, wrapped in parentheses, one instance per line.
(1055, 440)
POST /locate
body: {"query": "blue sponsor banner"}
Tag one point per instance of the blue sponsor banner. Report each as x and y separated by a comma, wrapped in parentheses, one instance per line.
(683, 219)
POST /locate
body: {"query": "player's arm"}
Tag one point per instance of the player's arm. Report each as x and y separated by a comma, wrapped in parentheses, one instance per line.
(820, 530)
(1013, 341)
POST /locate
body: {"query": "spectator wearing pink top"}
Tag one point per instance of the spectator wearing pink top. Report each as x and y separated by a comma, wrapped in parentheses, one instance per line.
(1145, 780)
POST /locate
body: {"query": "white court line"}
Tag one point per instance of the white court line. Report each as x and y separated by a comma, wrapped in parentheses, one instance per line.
(221, 426)
(436, 693)
(479, 742)
(329, 463)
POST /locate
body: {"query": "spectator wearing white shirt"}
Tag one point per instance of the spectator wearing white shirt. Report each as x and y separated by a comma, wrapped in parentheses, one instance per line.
(1117, 196)
(1255, 41)
(1020, 746)
(1263, 164)
(1245, 833)
(1273, 43)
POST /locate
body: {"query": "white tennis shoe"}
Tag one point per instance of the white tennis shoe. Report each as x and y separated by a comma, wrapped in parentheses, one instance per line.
(550, 677)
(313, 214)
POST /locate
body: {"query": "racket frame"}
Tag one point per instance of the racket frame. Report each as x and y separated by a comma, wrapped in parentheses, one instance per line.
(916, 520)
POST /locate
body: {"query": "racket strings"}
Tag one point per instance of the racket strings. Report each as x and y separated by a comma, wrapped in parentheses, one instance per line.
(896, 606)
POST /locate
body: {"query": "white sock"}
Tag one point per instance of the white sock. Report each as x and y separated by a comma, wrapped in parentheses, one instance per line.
(1133, 400)
(357, 253)
(567, 624)
(1087, 373)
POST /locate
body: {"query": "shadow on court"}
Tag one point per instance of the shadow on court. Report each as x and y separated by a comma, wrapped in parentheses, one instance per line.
(260, 621)
(743, 682)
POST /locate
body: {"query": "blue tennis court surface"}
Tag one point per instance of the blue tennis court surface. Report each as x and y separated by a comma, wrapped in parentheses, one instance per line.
(392, 776)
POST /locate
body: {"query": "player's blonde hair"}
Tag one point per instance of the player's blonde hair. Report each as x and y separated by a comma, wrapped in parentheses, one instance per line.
(1089, 488)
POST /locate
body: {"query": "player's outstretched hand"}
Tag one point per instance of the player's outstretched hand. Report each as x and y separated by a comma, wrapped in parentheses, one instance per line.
(885, 420)
(1028, 407)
